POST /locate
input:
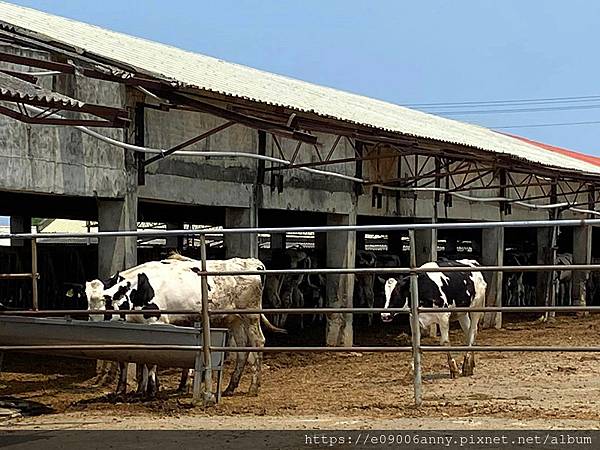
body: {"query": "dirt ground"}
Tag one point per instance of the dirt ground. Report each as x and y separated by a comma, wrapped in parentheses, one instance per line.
(351, 390)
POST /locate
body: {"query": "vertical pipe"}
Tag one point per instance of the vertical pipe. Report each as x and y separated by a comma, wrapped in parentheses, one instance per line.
(499, 276)
(34, 275)
(208, 395)
(198, 366)
(414, 318)
(554, 275)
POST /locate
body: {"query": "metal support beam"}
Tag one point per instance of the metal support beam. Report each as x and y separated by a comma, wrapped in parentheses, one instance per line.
(189, 142)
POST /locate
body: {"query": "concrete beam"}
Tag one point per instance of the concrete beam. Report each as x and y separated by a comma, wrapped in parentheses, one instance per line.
(19, 224)
(240, 245)
(341, 250)
(117, 253)
(493, 255)
(582, 254)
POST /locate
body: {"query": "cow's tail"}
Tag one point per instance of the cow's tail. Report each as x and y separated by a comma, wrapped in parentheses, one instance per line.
(270, 326)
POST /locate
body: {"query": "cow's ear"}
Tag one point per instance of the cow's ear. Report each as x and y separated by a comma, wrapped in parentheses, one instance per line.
(144, 292)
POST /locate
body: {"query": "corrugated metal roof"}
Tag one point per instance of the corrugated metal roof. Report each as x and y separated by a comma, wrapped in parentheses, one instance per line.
(230, 79)
(16, 89)
(595, 160)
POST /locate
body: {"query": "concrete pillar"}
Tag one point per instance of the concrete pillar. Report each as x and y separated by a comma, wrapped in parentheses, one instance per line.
(544, 256)
(394, 242)
(582, 254)
(493, 255)
(426, 241)
(117, 253)
(278, 241)
(241, 245)
(341, 250)
(321, 248)
(174, 242)
(19, 224)
(451, 246)
(361, 240)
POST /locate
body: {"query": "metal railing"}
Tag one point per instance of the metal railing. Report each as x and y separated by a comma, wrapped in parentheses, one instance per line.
(413, 271)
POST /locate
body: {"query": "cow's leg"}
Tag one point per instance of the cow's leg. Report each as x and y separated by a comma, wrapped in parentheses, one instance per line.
(465, 325)
(142, 387)
(444, 321)
(469, 362)
(298, 299)
(152, 382)
(256, 339)
(370, 303)
(240, 358)
(139, 377)
(184, 381)
(122, 383)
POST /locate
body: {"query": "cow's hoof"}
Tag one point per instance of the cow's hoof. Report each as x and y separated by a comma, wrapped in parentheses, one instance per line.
(468, 366)
(227, 392)
(253, 393)
(120, 395)
(454, 372)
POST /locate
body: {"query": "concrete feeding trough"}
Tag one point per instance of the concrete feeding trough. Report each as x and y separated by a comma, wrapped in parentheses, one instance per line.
(17, 331)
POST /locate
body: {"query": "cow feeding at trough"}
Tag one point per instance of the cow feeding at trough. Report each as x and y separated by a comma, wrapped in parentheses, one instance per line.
(443, 290)
(175, 284)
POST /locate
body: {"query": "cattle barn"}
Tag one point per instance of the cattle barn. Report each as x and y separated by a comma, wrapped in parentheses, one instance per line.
(179, 140)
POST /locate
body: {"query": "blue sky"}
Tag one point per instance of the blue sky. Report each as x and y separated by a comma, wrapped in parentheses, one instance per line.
(400, 51)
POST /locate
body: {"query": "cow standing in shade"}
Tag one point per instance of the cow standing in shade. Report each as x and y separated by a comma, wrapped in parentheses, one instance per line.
(175, 284)
(443, 290)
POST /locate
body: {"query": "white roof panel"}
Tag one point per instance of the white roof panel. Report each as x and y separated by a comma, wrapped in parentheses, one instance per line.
(215, 75)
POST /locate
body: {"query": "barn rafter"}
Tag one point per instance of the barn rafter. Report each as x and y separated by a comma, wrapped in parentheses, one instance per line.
(445, 167)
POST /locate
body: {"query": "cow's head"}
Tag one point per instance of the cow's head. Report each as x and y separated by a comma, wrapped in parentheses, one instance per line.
(94, 295)
(397, 295)
(94, 291)
(118, 296)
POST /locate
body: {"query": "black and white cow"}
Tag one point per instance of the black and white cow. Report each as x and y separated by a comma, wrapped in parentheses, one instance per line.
(286, 290)
(174, 283)
(443, 290)
(519, 287)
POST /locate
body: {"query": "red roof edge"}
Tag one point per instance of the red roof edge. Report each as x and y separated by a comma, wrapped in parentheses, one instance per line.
(563, 151)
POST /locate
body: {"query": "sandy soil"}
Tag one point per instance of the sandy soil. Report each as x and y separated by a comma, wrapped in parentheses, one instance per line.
(535, 390)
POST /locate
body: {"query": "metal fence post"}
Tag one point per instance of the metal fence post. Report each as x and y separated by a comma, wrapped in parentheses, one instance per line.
(414, 321)
(208, 394)
(198, 365)
(34, 275)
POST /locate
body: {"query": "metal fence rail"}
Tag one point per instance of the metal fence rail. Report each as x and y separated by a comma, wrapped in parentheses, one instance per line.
(416, 348)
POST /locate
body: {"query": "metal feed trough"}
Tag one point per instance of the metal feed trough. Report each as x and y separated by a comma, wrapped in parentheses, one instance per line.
(101, 340)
